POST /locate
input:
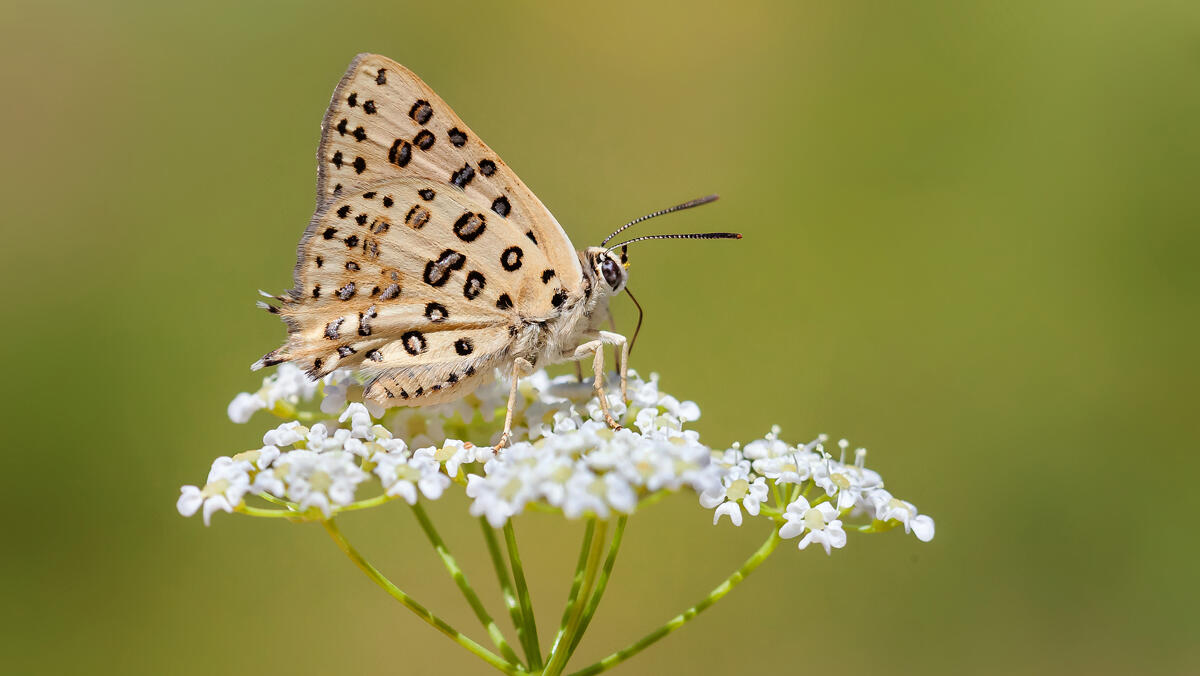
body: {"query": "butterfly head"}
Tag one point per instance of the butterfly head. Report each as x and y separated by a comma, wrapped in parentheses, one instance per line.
(608, 267)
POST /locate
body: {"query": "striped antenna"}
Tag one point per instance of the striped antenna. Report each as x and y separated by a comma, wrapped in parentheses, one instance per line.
(678, 207)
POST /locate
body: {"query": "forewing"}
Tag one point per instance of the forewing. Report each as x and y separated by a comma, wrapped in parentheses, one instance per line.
(384, 123)
(421, 288)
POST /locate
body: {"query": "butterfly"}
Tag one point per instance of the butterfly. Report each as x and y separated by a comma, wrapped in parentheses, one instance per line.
(428, 264)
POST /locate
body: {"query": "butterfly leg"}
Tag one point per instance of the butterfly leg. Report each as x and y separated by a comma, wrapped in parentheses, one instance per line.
(616, 339)
(521, 367)
(596, 347)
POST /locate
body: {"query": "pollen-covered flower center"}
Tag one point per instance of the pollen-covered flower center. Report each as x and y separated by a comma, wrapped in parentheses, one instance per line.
(407, 473)
(737, 489)
(814, 519)
(842, 481)
(511, 488)
(215, 488)
(597, 488)
(896, 505)
(320, 481)
(445, 453)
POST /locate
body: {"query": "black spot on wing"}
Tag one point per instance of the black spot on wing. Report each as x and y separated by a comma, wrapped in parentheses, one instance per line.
(436, 312)
(462, 178)
(401, 153)
(414, 343)
(424, 140)
(421, 111)
(332, 328)
(510, 260)
(501, 206)
(464, 346)
(457, 137)
(470, 226)
(474, 285)
(437, 272)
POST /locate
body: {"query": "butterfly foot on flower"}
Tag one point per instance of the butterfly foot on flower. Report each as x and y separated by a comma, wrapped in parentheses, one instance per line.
(504, 441)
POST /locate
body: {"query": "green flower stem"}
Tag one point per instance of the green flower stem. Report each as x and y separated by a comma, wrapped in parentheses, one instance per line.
(527, 632)
(268, 513)
(601, 584)
(366, 504)
(420, 610)
(506, 588)
(683, 618)
(573, 597)
(561, 648)
(460, 579)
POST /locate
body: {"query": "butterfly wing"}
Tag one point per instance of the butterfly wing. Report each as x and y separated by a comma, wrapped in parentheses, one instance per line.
(422, 288)
(384, 122)
(426, 252)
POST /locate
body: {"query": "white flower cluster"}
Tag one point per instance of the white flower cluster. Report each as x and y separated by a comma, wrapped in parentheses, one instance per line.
(567, 459)
(841, 489)
(320, 471)
(290, 385)
(574, 462)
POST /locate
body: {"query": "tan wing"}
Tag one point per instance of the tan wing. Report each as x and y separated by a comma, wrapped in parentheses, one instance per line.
(384, 123)
(414, 283)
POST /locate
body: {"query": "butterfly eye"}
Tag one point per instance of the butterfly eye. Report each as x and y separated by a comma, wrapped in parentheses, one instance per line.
(611, 272)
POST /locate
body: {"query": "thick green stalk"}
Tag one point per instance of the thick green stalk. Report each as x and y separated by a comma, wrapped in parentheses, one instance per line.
(460, 579)
(601, 584)
(576, 583)
(527, 632)
(506, 588)
(686, 616)
(560, 650)
(420, 610)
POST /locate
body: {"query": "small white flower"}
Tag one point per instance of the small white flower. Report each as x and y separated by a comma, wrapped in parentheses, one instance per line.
(285, 435)
(228, 482)
(403, 475)
(819, 524)
(589, 493)
(360, 421)
(243, 406)
(737, 490)
(261, 458)
(453, 454)
(888, 508)
(320, 480)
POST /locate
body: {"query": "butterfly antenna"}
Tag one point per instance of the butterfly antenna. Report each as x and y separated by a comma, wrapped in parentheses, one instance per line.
(678, 207)
(693, 235)
(641, 314)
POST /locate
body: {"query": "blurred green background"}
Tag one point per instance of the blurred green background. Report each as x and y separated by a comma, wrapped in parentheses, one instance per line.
(971, 246)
